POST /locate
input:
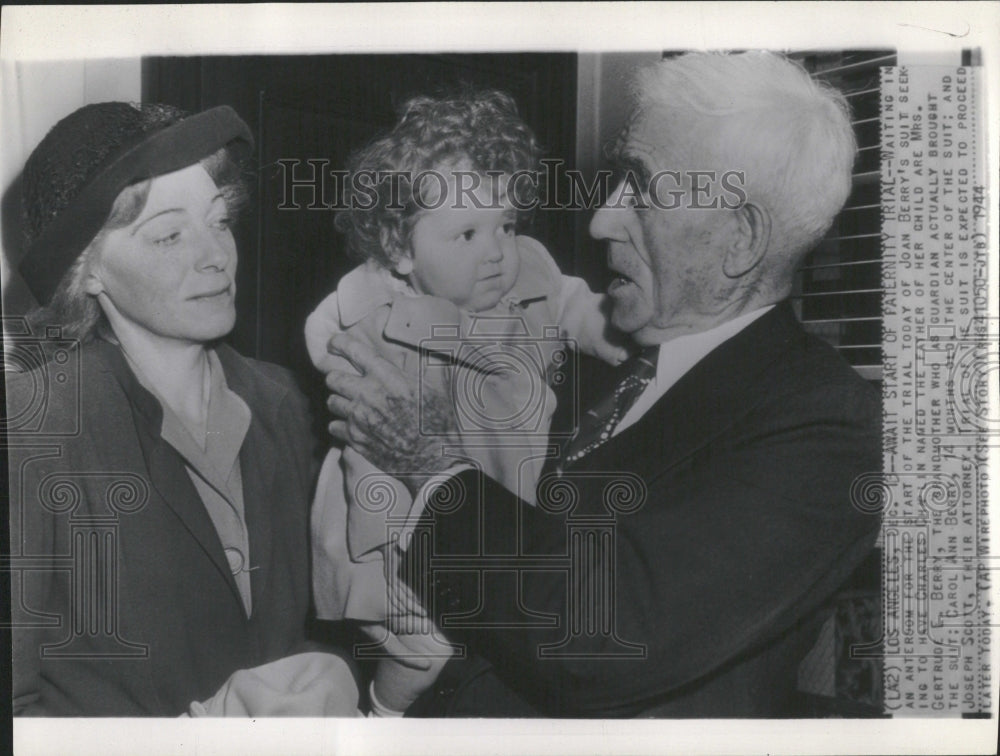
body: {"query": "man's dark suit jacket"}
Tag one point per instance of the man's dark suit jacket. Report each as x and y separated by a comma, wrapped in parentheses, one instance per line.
(747, 528)
(175, 600)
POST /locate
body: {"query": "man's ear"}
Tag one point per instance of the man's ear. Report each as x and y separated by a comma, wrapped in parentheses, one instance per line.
(751, 240)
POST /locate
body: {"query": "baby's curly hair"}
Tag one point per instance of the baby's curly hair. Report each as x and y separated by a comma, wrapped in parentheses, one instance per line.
(481, 129)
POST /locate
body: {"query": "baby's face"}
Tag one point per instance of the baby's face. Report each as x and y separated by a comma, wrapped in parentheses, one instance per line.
(465, 250)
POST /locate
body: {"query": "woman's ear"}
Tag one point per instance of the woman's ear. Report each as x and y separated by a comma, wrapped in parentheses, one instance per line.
(752, 237)
(92, 284)
(88, 270)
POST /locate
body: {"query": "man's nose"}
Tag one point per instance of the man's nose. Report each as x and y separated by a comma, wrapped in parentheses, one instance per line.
(609, 220)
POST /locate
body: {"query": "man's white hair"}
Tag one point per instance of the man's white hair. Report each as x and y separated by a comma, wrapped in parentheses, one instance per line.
(760, 113)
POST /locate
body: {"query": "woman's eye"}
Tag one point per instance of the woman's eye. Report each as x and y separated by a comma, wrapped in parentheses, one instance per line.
(223, 223)
(168, 239)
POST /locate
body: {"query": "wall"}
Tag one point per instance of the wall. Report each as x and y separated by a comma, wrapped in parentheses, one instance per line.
(35, 95)
(602, 104)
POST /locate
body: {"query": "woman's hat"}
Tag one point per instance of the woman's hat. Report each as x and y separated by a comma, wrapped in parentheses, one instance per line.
(72, 178)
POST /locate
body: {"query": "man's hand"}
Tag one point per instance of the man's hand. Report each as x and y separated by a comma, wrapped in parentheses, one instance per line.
(416, 663)
(399, 426)
(404, 613)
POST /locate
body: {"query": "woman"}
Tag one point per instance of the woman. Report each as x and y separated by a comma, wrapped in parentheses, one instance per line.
(163, 499)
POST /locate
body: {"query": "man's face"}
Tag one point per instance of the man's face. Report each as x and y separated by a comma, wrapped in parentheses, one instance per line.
(668, 260)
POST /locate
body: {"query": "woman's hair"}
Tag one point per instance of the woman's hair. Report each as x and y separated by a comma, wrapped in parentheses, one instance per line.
(762, 114)
(76, 312)
(478, 131)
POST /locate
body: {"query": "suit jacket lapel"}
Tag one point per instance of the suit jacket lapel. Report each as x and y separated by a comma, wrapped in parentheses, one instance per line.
(170, 478)
(257, 468)
(714, 394)
(167, 472)
(258, 501)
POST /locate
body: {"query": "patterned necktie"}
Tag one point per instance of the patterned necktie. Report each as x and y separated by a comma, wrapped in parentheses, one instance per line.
(598, 423)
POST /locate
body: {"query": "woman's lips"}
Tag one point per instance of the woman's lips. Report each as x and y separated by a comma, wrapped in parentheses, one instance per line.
(213, 293)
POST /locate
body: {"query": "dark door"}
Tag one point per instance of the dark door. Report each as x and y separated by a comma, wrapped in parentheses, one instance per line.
(320, 108)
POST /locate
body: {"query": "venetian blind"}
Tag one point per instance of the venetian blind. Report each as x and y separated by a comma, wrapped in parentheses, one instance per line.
(838, 293)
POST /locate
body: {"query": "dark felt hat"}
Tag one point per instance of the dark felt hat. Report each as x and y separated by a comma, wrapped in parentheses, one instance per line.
(74, 175)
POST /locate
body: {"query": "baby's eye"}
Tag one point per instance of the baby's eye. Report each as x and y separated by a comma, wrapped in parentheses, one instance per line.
(468, 234)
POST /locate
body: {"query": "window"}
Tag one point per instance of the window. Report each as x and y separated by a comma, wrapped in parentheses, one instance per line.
(838, 290)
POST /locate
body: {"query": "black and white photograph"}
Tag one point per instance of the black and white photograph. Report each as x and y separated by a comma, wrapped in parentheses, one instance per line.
(516, 378)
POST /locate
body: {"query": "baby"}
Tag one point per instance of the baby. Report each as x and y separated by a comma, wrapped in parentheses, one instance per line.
(448, 291)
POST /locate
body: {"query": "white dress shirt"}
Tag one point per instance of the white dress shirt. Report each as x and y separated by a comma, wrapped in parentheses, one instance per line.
(680, 355)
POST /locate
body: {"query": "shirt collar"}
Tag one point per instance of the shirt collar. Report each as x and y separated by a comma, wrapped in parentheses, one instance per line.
(679, 355)
(226, 428)
(365, 289)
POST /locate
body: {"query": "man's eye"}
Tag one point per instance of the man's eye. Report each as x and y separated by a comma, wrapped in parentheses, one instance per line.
(509, 228)
(630, 194)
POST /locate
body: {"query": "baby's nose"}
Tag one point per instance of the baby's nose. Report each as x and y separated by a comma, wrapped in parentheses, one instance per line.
(494, 251)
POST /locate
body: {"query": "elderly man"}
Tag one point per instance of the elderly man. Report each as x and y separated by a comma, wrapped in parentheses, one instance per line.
(739, 433)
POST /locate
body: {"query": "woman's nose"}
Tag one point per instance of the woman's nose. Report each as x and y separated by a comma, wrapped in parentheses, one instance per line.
(609, 220)
(214, 249)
